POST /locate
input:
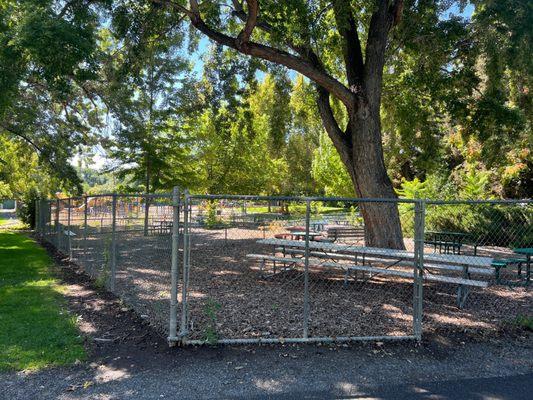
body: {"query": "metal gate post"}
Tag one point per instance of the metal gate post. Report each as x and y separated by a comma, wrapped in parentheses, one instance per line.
(58, 228)
(186, 266)
(146, 213)
(85, 204)
(113, 255)
(41, 218)
(306, 270)
(49, 218)
(69, 232)
(174, 270)
(420, 211)
(36, 217)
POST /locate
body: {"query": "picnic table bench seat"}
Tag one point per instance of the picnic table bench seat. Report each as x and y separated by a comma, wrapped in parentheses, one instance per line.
(375, 270)
(338, 233)
(363, 259)
(501, 263)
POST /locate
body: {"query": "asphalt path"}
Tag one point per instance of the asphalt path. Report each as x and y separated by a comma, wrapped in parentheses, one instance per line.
(474, 371)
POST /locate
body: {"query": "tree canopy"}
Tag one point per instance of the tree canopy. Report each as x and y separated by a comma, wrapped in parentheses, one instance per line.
(261, 109)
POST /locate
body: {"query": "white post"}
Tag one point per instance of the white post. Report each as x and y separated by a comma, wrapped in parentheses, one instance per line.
(186, 266)
(306, 271)
(69, 232)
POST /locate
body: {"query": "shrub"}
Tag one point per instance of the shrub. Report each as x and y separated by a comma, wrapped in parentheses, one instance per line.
(26, 207)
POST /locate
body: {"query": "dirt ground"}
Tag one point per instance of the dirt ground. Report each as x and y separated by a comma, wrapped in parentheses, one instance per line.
(228, 297)
(130, 359)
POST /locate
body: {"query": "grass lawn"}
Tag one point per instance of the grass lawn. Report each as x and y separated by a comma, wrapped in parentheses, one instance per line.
(36, 330)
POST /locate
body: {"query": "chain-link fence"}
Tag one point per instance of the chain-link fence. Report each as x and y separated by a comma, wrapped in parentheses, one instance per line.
(492, 243)
(123, 242)
(255, 269)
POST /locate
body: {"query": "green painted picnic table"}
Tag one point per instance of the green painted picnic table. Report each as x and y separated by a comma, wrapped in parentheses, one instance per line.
(528, 252)
(448, 240)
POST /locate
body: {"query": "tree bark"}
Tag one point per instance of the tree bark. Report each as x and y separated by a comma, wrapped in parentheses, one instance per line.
(371, 181)
(361, 151)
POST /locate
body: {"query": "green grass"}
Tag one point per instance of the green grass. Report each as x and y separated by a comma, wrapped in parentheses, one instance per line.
(525, 322)
(36, 330)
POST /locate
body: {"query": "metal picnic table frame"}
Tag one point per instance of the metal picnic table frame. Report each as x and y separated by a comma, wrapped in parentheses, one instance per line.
(528, 252)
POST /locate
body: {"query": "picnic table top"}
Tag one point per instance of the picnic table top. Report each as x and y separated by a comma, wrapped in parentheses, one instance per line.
(303, 233)
(386, 253)
(448, 233)
(524, 250)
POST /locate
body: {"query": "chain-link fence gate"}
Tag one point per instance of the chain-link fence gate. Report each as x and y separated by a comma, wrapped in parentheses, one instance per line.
(256, 269)
(291, 269)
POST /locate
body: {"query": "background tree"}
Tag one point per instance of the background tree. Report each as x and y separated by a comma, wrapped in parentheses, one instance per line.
(142, 92)
(48, 59)
(233, 146)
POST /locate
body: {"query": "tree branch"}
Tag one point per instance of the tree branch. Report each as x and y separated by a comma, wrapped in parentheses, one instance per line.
(176, 6)
(353, 55)
(251, 20)
(341, 141)
(69, 4)
(383, 19)
(268, 53)
(266, 27)
(22, 136)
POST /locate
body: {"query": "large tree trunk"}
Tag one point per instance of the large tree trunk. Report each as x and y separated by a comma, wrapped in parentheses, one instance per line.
(360, 149)
(360, 145)
(369, 176)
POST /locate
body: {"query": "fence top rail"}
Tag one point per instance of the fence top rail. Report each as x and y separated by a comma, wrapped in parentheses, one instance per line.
(355, 200)
(142, 195)
(479, 202)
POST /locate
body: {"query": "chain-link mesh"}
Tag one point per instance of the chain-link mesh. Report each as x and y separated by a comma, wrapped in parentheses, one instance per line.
(143, 256)
(122, 243)
(490, 244)
(250, 269)
(355, 291)
(276, 269)
(230, 294)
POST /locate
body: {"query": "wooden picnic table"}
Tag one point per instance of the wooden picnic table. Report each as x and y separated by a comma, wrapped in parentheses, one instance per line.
(300, 235)
(163, 225)
(452, 262)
